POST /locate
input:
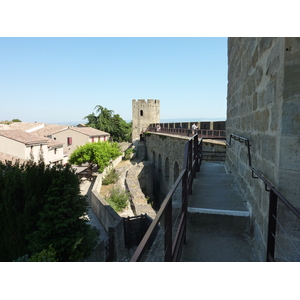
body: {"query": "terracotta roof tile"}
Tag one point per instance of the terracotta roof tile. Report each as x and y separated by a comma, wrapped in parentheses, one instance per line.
(89, 131)
(4, 157)
(50, 129)
(23, 136)
(25, 126)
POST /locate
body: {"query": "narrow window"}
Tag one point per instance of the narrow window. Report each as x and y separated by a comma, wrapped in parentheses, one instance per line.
(141, 113)
(69, 140)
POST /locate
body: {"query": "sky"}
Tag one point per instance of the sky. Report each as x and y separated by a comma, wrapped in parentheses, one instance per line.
(53, 80)
(61, 58)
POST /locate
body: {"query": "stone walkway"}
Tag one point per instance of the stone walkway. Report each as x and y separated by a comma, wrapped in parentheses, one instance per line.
(218, 219)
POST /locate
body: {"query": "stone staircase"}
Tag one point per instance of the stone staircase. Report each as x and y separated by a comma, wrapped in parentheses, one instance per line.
(218, 219)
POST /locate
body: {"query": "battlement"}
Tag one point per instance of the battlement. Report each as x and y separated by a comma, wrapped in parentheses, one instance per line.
(143, 101)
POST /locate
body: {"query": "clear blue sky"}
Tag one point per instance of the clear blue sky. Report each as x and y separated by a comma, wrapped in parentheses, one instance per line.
(55, 80)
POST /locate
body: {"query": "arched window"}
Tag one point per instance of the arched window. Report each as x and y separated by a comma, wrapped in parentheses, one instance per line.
(159, 165)
(176, 171)
(141, 113)
(167, 169)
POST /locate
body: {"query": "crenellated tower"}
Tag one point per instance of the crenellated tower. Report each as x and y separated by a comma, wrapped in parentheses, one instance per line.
(144, 113)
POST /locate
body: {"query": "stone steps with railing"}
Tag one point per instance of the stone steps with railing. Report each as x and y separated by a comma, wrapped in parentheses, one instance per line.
(218, 222)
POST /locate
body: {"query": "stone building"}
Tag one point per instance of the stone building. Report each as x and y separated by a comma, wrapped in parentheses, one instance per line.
(143, 114)
(263, 105)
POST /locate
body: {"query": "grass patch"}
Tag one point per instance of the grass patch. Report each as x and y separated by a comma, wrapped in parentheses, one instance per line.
(111, 177)
(128, 153)
(118, 199)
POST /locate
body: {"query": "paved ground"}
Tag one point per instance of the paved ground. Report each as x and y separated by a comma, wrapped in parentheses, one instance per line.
(218, 220)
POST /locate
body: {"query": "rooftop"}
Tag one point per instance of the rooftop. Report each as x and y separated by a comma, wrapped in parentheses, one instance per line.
(50, 129)
(89, 131)
(23, 137)
(4, 157)
(25, 126)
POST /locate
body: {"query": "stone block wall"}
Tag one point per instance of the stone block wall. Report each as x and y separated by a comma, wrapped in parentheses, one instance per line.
(263, 105)
(166, 152)
(144, 113)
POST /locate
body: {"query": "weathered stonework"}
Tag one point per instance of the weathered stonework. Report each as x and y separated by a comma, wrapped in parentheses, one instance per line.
(166, 152)
(143, 114)
(263, 106)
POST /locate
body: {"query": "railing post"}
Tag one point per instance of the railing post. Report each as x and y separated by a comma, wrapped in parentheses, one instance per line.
(271, 227)
(196, 154)
(184, 196)
(168, 232)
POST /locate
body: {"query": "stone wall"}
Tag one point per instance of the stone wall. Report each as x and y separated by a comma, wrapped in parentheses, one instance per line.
(263, 105)
(110, 220)
(166, 152)
(143, 114)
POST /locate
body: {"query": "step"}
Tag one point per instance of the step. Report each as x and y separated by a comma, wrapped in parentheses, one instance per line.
(216, 246)
(214, 188)
(217, 219)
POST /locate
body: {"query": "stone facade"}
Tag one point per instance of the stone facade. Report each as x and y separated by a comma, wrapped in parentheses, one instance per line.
(166, 152)
(263, 105)
(143, 114)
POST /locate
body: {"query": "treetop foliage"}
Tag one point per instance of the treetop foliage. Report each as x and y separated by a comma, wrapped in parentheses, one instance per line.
(41, 207)
(99, 154)
(107, 121)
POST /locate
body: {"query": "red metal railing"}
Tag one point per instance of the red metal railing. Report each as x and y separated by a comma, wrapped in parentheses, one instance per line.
(202, 133)
(174, 233)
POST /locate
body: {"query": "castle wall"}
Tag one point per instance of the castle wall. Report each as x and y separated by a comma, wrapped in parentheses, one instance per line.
(263, 105)
(144, 113)
(166, 152)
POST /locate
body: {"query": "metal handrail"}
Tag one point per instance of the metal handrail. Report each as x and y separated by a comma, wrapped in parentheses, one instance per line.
(274, 196)
(192, 159)
(204, 133)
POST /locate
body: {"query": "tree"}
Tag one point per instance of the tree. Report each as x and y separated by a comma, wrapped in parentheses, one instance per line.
(99, 154)
(41, 206)
(106, 121)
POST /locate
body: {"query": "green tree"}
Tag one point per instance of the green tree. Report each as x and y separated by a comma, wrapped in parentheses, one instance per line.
(99, 154)
(106, 121)
(42, 206)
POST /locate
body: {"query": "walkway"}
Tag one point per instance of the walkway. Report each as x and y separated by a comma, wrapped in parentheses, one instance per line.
(218, 219)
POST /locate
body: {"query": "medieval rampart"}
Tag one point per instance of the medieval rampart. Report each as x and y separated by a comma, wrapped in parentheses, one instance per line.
(166, 152)
(143, 113)
(263, 105)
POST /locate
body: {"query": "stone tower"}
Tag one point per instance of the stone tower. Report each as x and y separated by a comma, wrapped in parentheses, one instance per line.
(143, 114)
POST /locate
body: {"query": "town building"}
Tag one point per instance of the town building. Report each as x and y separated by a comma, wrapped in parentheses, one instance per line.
(23, 141)
(19, 144)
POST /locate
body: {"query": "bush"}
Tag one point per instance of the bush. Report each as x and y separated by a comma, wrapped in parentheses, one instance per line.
(111, 177)
(42, 206)
(128, 153)
(118, 199)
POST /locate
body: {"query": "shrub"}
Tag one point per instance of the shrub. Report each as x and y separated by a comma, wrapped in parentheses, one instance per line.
(42, 206)
(111, 177)
(118, 199)
(128, 153)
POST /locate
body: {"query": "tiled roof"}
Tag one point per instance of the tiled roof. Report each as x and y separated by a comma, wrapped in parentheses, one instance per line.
(25, 126)
(4, 127)
(4, 157)
(54, 143)
(89, 131)
(51, 129)
(23, 137)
